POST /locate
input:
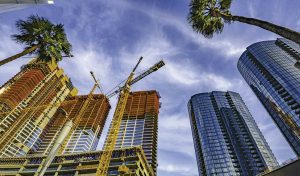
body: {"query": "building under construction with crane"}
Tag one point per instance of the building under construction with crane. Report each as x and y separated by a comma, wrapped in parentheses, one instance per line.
(139, 126)
(86, 134)
(23, 115)
(47, 130)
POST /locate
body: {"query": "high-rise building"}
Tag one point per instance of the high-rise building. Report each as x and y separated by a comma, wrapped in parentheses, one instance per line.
(269, 68)
(139, 124)
(226, 138)
(79, 164)
(86, 135)
(11, 5)
(27, 103)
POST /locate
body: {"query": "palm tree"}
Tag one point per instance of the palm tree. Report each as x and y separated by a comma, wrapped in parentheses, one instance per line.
(208, 16)
(41, 37)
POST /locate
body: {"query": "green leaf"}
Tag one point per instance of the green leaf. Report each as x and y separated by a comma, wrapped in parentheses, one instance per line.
(225, 4)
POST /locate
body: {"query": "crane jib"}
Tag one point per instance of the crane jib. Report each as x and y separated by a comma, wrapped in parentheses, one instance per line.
(152, 69)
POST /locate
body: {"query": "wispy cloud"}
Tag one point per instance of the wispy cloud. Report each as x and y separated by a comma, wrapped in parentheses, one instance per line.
(224, 46)
(8, 48)
(170, 164)
(251, 9)
(85, 60)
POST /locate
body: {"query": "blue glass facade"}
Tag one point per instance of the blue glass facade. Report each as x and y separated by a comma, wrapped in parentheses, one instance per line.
(269, 69)
(226, 138)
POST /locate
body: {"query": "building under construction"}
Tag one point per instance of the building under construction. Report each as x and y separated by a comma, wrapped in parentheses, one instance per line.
(47, 130)
(24, 105)
(139, 124)
(85, 135)
(84, 164)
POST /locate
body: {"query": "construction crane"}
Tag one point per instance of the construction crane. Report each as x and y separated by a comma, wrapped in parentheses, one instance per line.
(81, 112)
(124, 91)
(67, 130)
(112, 135)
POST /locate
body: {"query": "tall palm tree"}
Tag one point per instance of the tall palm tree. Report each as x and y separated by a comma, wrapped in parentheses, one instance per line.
(41, 37)
(208, 16)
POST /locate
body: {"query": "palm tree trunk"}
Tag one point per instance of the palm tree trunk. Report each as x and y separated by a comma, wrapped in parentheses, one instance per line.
(23, 53)
(282, 31)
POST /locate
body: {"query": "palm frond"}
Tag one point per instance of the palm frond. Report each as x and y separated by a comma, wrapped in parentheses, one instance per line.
(225, 4)
(40, 31)
(204, 16)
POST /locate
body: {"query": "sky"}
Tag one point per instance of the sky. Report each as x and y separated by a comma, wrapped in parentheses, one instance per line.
(108, 37)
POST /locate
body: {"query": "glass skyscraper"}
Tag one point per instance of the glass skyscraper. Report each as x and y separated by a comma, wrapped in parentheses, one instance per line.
(226, 138)
(269, 67)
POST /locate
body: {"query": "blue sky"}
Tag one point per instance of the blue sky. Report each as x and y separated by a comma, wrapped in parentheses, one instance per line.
(109, 36)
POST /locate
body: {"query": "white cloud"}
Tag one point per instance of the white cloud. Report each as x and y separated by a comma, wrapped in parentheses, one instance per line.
(181, 74)
(251, 9)
(174, 168)
(8, 47)
(226, 47)
(87, 59)
(172, 122)
(184, 73)
(175, 134)
(177, 71)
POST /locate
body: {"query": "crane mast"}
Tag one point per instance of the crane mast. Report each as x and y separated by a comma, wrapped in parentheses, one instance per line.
(112, 136)
(115, 126)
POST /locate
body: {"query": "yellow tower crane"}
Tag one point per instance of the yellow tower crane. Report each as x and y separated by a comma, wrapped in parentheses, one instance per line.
(124, 91)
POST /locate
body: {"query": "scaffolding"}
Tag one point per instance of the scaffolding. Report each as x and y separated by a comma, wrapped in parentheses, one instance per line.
(85, 163)
(140, 124)
(37, 84)
(89, 124)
